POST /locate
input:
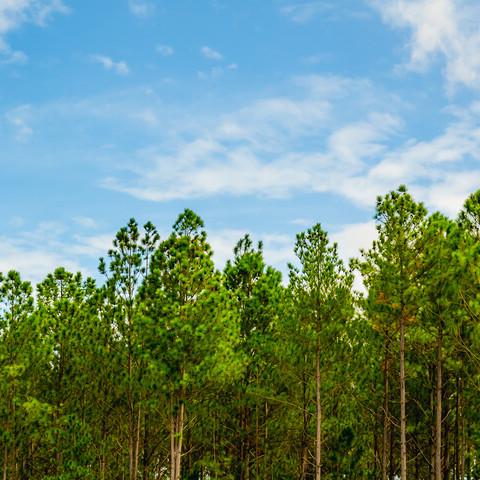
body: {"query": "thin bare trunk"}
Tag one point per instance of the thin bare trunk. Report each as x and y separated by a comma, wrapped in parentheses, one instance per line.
(318, 443)
(305, 430)
(403, 418)
(5, 462)
(386, 415)
(266, 449)
(438, 412)
(462, 426)
(180, 424)
(177, 420)
(457, 430)
(172, 442)
(257, 440)
(446, 443)
(392, 457)
(137, 443)
(146, 452)
(432, 433)
(131, 414)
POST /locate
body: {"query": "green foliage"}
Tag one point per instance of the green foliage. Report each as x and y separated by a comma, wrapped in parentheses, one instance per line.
(171, 361)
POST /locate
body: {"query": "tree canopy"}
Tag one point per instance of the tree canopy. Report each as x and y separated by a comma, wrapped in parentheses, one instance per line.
(171, 368)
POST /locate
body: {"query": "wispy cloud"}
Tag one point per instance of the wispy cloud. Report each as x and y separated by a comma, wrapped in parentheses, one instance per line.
(15, 13)
(164, 50)
(280, 146)
(255, 151)
(50, 244)
(33, 261)
(332, 135)
(210, 53)
(37, 252)
(121, 67)
(18, 119)
(212, 74)
(439, 29)
(86, 222)
(306, 11)
(141, 8)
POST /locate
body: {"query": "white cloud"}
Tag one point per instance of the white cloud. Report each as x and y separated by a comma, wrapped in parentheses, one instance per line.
(304, 12)
(441, 171)
(148, 117)
(19, 118)
(316, 58)
(302, 222)
(210, 53)
(86, 222)
(330, 135)
(92, 245)
(165, 50)
(262, 150)
(141, 8)
(212, 74)
(447, 29)
(15, 13)
(35, 253)
(32, 262)
(9, 56)
(121, 68)
(351, 238)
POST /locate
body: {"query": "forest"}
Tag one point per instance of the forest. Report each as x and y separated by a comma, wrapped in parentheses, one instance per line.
(170, 368)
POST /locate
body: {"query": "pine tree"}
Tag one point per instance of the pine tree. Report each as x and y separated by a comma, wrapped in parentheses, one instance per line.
(390, 270)
(321, 289)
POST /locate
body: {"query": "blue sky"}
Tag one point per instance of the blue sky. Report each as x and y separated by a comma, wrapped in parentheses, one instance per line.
(262, 116)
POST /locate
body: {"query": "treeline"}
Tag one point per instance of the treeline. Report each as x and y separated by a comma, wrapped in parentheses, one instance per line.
(174, 370)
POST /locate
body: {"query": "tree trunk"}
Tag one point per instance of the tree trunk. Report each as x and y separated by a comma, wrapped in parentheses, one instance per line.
(181, 419)
(431, 378)
(130, 440)
(131, 415)
(172, 442)
(146, 452)
(457, 430)
(462, 426)
(257, 438)
(265, 445)
(446, 454)
(318, 443)
(438, 410)
(391, 475)
(386, 418)
(176, 441)
(5, 461)
(403, 418)
(304, 453)
(137, 443)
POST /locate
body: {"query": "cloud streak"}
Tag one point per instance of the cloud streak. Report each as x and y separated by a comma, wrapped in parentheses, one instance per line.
(141, 8)
(120, 68)
(165, 50)
(210, 53)
(304, 12)
(18, 118)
